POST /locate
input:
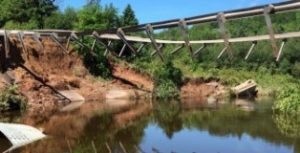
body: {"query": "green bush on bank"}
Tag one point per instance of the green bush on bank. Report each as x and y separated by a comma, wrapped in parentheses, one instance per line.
(167, 79)
(288, 100)
(11, 100)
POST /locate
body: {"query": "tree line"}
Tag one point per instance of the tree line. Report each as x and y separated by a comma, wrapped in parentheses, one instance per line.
(45, 14)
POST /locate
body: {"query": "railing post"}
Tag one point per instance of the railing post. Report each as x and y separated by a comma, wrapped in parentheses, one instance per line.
(267, 11)
(184, 32)
(224, 33)
(149, 31)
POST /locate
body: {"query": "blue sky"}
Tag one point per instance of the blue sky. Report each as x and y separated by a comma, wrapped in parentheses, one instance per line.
(158, 10)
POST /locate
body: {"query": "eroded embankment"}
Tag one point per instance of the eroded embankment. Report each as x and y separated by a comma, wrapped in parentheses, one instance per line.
(42, 70)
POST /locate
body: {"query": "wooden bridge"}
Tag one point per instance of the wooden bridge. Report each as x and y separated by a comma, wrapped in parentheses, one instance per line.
(63, 38)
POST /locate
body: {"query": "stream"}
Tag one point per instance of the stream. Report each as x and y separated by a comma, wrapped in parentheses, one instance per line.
(238, 126)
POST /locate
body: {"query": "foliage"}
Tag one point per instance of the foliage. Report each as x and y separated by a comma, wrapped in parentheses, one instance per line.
(288, 125)
(62, 20)
(167, 78)
(97, 65)
(25, 12)
(288, 100)
(11, 100)
(94, 17)
(296, 70)
(128, 18)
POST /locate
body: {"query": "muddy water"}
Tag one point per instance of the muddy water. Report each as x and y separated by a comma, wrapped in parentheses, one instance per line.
(183, 127)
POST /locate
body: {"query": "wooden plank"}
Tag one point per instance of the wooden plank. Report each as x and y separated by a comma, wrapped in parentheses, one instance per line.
(184, 31)
(200, 49)
(93, 46)
(215, 41)
(141, 47)
(222, 52)
(251, 49)
(121, 35)
(149, 31)
(280, 50)
(122, 50)
(177, 49)
(160, 48)
(267, 10)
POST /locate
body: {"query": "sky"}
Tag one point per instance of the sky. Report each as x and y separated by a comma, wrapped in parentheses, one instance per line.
(158, 10)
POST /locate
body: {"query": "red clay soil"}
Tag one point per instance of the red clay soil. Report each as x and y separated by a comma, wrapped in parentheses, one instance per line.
(199, 90)
(62, 71)
(142, 81)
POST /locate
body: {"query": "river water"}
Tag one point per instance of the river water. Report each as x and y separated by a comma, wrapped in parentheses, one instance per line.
(237, 126)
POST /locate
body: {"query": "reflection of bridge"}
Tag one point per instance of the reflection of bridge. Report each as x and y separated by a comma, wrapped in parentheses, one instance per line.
(104, 36)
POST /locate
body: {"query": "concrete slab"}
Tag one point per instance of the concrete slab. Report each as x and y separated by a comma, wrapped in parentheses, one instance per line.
(72, 95)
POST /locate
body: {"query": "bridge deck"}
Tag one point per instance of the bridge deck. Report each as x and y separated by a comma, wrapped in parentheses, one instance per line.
(232, 40)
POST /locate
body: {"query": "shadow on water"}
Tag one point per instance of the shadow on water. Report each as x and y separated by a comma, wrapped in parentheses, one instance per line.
(144, 126)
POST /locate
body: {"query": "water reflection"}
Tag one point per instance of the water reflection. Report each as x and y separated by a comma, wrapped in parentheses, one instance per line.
(137, 126)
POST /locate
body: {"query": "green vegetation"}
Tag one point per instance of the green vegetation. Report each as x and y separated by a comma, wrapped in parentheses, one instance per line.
(10, 99)
(231, 69)
(288, 101)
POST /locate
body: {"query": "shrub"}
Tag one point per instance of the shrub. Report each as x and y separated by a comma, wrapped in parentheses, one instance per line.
(11, 100)
(166, 89)
(167, 78)
(296, 69)
(288, 100)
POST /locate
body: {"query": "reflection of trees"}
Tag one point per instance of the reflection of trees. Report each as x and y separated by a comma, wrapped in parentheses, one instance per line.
(166, 114)
(101, 130)
(230, 121)
(288, 125)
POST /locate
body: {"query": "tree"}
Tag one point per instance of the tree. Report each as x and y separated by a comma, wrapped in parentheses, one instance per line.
(128, 18)
(94, 17)
(62, 20)
(24, 12)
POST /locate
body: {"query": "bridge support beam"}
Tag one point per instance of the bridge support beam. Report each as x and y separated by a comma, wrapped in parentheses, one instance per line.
(254, 43)
(199, 50)
(280, 50)
(160, 48)
(20, 37)
(225, 34)
(107, 46)
(122, 50)
(6, 44)
(184, 31)
(141, 47)
(177, 49)
(121, 35)
(267, 11)
(55, 39)
(149, 31)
